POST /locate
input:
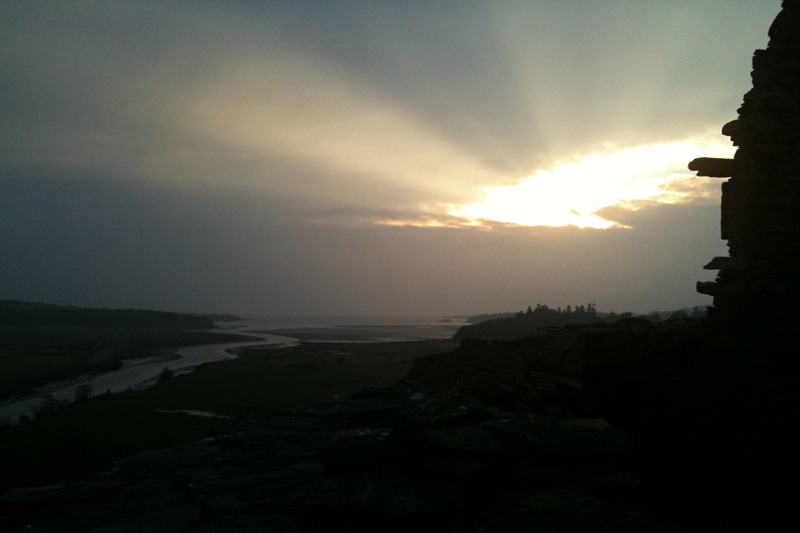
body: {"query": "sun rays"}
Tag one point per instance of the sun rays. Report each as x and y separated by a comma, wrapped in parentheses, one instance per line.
(571, 194)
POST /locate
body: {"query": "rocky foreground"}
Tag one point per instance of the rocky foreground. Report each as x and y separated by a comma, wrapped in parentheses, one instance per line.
(624, 427)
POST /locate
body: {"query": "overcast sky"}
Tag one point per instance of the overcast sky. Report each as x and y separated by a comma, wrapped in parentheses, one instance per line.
(380, 157)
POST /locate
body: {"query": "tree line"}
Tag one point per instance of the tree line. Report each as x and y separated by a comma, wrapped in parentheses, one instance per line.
(509, 326)
(526, 322)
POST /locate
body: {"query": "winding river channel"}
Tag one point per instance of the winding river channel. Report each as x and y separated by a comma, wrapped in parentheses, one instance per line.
(138, 373)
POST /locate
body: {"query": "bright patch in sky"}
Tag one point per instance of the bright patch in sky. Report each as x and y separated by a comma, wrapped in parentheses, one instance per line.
(572, 193)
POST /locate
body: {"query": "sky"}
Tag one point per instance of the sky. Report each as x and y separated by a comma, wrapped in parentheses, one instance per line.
(366, 158)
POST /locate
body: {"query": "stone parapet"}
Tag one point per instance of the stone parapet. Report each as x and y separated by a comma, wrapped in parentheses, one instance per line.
(760, 218)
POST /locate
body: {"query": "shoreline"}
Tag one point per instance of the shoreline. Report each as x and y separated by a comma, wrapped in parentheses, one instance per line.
(136, 368)
(292, 348)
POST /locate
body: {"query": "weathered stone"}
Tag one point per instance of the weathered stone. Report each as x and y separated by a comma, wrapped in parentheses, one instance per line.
(759, 206)
(728, 263)
(713, 167)
(358, 453)
(707, 287)
(785, 29)
(776, 105)
(500, 381)
(470, 443)
(389, 496)
(162, 520)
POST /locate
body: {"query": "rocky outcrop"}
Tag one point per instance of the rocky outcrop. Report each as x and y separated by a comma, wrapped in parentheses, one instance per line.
(440, 462)
(496, 437)
(633, 426)
(760, 281)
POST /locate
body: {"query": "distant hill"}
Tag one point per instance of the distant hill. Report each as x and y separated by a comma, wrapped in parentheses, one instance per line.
(15, 312)
(220, 317)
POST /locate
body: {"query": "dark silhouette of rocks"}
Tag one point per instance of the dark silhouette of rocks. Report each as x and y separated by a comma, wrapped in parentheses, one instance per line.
(760, 281)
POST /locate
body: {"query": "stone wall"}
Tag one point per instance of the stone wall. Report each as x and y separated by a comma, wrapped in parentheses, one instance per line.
(760, 218)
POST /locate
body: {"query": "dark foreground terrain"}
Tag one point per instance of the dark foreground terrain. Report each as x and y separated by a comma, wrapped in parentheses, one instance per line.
(623, 427)
(89, 434)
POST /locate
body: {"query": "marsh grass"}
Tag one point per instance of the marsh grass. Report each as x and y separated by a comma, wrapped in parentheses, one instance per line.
(88, 435)
(34, 355)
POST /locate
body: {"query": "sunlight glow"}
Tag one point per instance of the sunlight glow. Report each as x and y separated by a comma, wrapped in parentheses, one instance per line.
(572, 193)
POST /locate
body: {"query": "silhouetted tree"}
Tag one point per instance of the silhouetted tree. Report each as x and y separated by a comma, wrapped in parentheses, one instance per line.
(525, 323)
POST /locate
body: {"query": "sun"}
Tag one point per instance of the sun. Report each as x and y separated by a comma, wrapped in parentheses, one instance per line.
(572, 193)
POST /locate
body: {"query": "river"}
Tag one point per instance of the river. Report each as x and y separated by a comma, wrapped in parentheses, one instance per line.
(138, 373)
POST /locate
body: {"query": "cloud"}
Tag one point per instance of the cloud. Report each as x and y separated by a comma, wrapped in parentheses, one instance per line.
(97, 242)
